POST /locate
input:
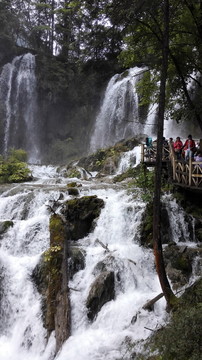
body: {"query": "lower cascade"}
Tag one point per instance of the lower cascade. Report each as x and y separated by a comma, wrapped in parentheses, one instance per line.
(111, 255)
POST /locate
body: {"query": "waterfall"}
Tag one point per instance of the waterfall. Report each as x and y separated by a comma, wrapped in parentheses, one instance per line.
(119, 116)
(129, 159)
(22, 335)
(18, 106)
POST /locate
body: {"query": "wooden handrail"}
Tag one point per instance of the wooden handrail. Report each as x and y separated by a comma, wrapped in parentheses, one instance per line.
(188, 174)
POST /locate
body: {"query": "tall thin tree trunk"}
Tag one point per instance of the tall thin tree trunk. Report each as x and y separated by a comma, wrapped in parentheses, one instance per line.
(158, 252)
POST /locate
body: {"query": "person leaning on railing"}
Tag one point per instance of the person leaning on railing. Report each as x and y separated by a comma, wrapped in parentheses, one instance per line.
(198, 157)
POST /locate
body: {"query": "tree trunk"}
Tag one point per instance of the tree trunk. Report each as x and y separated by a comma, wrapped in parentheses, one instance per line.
(158, 252)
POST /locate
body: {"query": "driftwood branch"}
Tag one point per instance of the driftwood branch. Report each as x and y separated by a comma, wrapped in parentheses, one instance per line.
(103, 245)
(149, 329)
(149, 304)
(133, 262)
(70, 288)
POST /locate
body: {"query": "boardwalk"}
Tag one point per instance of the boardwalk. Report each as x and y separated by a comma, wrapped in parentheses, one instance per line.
(185, 174)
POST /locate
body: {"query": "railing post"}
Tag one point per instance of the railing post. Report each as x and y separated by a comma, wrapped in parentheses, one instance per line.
(174, 167)
(142, 152)
(190, 170)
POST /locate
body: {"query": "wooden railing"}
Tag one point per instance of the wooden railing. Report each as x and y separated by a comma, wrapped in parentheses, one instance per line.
(148, 154)
(187, 174)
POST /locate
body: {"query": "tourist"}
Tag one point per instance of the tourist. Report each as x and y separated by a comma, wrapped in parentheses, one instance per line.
(198, 157)
(171, 142)
(178, 145)
(189, 147)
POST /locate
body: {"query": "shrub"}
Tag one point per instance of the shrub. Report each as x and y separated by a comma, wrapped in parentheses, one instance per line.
(13, 169)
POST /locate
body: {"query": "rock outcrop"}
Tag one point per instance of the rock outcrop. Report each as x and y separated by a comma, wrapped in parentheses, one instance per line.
(80, 214)
(102, 290)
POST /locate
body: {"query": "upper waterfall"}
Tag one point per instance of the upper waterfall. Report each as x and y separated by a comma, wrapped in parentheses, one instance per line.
(119, 115)
(18, 106)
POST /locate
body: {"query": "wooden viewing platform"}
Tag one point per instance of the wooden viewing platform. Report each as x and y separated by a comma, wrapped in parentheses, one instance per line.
(185, 174)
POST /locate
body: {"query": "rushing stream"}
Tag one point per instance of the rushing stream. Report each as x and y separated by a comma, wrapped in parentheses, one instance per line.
(22, 336)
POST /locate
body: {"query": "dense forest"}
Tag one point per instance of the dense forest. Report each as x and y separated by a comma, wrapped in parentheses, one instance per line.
(79, 45)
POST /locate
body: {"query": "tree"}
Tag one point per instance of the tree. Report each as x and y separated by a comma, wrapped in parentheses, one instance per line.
(158, 252)
(143, 36)
(155, 20)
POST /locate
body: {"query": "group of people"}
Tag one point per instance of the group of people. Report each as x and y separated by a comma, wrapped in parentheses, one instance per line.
(187, 150)
(182, 151)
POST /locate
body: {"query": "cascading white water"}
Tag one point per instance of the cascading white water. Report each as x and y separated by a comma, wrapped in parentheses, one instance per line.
(118, 117)
(129, 159)
(22, 336)
(18, 106)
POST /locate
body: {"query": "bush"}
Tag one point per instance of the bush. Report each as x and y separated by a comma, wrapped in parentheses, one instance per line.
(181, 338)
(13, 169)
(17, 155)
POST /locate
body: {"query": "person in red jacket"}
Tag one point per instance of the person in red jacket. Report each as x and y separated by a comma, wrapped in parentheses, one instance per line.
(189, 147)
(178, 147)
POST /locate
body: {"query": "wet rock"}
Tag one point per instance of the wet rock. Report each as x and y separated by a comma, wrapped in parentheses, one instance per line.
(106, 161)
(73, 191)
(72, 172)
(80, 215)
(146, 227)
(178, 260)
(102, 290)
(76, 261)
(105, 265)
(4, 226)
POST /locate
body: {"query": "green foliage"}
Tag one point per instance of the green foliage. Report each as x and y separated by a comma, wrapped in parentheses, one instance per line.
(181, 338)
(144, 181)
(147, 88)
(12, 169)
(17, 155)
(49, 254)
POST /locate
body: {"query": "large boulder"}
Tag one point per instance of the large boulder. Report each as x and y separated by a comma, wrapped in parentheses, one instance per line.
(102, 290)
(179, 262)
(4, 226)
(80, 214)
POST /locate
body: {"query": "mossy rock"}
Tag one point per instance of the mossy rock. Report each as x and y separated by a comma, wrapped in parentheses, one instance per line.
(146, 227)
(57, 230)
(73, 172)
(130, 173)
(80, 214)
(72, 185)
(106, 161)
(178, 261)
(73, 191)
(5, 225)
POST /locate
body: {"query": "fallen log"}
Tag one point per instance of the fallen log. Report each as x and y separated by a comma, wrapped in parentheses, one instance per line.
(149, 304)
